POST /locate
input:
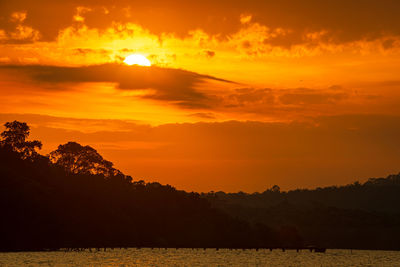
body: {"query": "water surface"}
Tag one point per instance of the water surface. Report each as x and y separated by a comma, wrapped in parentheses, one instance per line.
(200, 257)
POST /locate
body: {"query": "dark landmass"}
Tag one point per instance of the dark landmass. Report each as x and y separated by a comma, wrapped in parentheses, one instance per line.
(362, 216)
(43, 206)
(73, 198)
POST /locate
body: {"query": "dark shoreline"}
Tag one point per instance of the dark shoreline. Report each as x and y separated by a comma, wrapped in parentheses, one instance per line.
(102, 249)
(47, 207)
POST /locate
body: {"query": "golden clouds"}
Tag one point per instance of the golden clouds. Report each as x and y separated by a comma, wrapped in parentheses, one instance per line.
(112, 29)
(80, 12)
(21, 33)
(346, 21)
(245, 18)
(282, 68)
(18, 17)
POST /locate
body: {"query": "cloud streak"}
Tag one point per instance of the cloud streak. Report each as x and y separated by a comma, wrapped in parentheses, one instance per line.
(197, 96)
(177, 86)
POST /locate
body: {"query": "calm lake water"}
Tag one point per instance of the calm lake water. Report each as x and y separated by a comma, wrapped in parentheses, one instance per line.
(200, 257)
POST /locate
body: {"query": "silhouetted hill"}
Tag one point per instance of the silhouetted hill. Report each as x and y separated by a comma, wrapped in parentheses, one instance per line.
(353, 216)
(43, 206)
(75, 198)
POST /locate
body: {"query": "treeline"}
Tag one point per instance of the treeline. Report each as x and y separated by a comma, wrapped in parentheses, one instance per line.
(359, 215)
(75, 198)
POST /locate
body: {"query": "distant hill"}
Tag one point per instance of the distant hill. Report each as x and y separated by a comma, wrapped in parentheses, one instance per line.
(45, 207)
(75, 198)
(352, 216)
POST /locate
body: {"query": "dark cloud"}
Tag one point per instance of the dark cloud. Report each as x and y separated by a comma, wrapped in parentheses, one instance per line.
(209, 54)
(335, 87)
(282, 101)
(13, 41)
(204, 115)
(173, 85)
(250, 96)
(85, 125)
(394, 83)
(246, 44)
(85, 51)
(193, 91)
(313, 98)
(388, 44)
(344, 20)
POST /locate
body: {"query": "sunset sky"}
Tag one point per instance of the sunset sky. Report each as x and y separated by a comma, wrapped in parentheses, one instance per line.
(240, 95)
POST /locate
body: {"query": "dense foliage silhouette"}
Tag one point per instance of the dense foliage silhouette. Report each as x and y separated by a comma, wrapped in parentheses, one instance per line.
(359, 215)
(14, 138)
(75, 198)
(79, 159)
(68, 202)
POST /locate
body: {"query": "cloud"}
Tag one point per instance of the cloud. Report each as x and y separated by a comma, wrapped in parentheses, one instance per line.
(204, 115)
(85, 51)
(176, 86)
(313, 98)
(76, 124)
(194, 93)
(288, 103)
(356, 21)
(209, 54)
(250, 96)
(20, 33)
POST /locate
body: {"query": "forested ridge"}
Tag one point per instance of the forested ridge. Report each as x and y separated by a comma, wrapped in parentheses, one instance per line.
(359, 215)
(73, 197)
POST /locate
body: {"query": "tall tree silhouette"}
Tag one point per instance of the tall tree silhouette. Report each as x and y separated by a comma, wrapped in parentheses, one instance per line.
(79, 159)
(14, 138)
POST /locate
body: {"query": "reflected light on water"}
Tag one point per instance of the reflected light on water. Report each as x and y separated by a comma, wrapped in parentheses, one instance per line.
(200, 257)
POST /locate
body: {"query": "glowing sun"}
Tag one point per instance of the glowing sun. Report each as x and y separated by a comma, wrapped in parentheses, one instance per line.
(137, 59)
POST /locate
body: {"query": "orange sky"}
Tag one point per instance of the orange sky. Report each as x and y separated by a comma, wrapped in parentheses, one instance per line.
(241, 95)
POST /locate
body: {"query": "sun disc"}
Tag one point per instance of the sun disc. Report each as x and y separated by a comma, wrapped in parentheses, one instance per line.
(137, 59)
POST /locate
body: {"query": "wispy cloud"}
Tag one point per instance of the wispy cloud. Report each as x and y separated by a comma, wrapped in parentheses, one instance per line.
(176, 86)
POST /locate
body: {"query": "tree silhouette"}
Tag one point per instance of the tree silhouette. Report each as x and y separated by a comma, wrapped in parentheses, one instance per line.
(276, 189)
(14, 138)
(102, 207)
(79, 159)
